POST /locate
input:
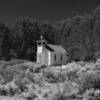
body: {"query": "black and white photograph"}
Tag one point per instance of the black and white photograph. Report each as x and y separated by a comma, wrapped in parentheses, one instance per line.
(49, 49)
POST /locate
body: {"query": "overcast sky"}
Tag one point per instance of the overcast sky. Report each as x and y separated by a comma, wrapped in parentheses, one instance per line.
(51, 10)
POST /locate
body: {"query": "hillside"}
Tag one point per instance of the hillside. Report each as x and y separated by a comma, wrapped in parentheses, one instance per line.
(79, 35)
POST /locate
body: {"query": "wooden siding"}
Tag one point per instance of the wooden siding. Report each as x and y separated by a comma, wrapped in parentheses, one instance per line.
(47, 57)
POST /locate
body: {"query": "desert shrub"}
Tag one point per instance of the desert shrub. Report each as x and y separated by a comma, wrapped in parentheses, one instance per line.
(12, 88)
(89, 80)
(62, 96)
(49, 76)
(30, 77)
(41, 68)
(59, 97)
(21, 84)
(3, 91)
(61, 77)
(28, 96)
(72, 75)
(2, 81)
(7, 75)
(33, 77)
(9, 88)
(38, 78)
(97, 92)
(91, 94)
(54, 77)
(11, 91)
(8, 70)
(70, 88)
(71, 70)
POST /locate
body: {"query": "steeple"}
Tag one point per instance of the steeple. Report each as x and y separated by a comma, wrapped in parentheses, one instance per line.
(41, 37)
(42, 41)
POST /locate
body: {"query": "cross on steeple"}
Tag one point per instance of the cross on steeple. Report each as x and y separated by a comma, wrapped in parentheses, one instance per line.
(41, 37)
(42, 41)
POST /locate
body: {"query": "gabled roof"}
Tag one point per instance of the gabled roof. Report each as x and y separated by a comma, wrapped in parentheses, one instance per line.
(56, 48)
(49, 48)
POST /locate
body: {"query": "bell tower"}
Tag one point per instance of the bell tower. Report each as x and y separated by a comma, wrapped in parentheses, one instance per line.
(40, 49)
(40, 44)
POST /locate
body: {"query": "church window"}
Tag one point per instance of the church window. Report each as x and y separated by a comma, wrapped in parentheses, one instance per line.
(55, 57)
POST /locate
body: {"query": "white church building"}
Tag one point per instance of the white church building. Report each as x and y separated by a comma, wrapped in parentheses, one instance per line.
(49, 54)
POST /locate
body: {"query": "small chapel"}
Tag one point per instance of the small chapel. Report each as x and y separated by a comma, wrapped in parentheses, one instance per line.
(49, 54)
